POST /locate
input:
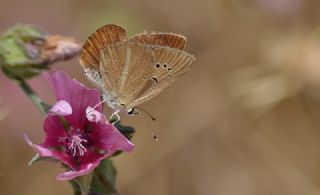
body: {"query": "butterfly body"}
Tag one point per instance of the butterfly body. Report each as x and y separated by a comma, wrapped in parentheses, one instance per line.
(132, 70)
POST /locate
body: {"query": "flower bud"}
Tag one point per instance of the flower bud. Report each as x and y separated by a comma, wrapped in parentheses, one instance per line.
(26, 50)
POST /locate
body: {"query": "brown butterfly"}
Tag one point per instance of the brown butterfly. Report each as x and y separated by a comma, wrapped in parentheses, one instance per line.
(132, 70)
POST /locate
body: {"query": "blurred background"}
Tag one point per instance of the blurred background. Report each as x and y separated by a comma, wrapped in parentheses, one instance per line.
(244, 120)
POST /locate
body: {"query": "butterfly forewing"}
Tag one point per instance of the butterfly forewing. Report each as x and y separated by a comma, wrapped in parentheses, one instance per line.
(175, 41)
(126, 69)
(169, 65)
(104, 36)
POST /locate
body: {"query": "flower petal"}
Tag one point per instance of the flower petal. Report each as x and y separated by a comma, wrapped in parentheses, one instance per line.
(55, 131)
(95, 116)
(87, 164)
(73, 174)
(45, 152)
(107, 137)
(78, 96)
(61, 108)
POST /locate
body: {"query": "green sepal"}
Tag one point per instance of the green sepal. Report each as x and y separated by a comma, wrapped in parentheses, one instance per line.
(25, 32)
(37, 158)
(46, 107)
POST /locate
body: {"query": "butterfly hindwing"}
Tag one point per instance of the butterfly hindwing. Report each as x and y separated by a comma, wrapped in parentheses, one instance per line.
(126, 69)
(169, 65)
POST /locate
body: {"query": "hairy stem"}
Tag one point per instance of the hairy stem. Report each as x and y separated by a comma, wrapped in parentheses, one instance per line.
(32, 95)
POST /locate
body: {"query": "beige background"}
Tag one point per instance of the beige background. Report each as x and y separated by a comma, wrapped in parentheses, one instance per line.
(244, 120)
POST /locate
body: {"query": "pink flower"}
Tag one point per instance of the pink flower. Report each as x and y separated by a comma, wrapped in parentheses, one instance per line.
(76, 133)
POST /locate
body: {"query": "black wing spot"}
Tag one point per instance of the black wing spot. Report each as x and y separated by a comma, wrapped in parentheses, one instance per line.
(155, 79)
(165, 65)
(158, 65)
(169, 69)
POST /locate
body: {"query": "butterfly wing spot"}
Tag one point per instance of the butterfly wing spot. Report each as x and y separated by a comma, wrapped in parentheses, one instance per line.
(155, 79)
(164, 65)
(169, 69)
(158, 65)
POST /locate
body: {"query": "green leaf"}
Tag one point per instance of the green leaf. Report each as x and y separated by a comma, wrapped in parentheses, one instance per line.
(127, 131)
(103, 181)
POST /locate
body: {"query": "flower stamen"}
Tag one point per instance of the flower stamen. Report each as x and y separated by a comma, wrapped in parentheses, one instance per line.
(76, 147)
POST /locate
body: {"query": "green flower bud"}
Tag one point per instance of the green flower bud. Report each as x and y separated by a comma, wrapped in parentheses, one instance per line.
(25, 51)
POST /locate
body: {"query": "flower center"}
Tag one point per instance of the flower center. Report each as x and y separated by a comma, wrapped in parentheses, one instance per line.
(75, 145)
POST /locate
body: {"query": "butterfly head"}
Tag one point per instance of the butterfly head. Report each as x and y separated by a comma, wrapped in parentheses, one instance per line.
(114, 104)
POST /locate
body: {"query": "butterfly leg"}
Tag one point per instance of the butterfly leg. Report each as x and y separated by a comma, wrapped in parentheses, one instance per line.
(116, 115)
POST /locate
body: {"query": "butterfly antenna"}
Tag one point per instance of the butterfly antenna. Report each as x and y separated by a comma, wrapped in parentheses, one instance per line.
(143, 114)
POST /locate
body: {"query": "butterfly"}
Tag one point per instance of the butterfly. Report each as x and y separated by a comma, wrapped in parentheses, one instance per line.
(132, 70)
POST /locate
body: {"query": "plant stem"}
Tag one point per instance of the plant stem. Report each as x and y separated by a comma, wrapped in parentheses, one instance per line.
(107, 184)
(84, 183)
(32, 95)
